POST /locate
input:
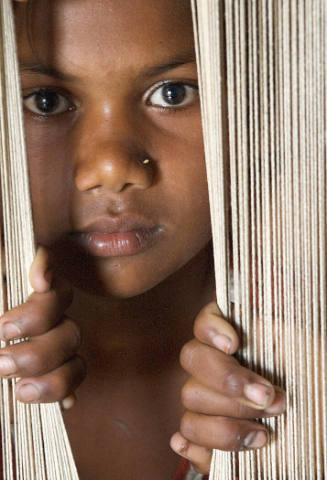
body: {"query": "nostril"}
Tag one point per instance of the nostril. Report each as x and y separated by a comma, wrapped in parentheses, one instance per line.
(116, 172)
(125, 187)
(85, 183)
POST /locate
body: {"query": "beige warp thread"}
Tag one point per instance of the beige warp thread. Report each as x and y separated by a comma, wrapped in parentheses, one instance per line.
(38, 448)
(267, 185)
(263, 83)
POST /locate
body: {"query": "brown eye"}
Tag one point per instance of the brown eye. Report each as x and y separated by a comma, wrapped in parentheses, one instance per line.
(170, 95)
(47, 102)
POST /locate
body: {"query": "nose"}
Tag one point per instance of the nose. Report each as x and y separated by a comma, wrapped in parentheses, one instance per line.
(113, 168)
(109, 156)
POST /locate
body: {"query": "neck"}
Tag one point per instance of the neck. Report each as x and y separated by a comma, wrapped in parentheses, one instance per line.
(130, 399)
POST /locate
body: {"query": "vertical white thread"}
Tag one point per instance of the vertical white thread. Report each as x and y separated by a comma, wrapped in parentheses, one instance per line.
(27, 438)
(275, 54)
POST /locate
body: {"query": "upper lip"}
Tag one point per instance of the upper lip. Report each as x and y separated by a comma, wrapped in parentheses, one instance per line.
(118, 224)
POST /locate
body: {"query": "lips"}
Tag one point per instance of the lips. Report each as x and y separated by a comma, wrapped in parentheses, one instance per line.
(117, 236)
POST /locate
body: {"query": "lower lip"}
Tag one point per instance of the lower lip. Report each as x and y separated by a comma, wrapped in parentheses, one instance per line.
(118, 244)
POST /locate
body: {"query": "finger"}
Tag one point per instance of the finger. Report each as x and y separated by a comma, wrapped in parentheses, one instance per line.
(54, 386)
(212, 329)
(223, 374)
(40, 275)
(41, 354)
(200, 457)
(200, 399)
(222, 433)
(68, 402)
(40, 313)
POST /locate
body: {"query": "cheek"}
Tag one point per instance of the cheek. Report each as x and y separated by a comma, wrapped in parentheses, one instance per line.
(179, 202)
(184, 181)
(49, 178)
(190, 211)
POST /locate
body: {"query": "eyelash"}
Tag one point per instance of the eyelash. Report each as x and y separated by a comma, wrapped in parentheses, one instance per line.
(164, 109)
(60, 92)
(170, 109)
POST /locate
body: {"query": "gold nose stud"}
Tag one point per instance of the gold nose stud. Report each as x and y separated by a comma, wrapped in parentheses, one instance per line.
(146, 161)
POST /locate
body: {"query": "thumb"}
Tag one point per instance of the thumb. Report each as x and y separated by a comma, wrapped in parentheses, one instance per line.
(41, 271)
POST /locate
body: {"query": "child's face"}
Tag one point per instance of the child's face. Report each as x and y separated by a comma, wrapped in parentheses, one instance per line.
(94, 100)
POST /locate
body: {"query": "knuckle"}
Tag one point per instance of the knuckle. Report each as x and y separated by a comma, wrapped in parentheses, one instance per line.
(26, 314)
(188, 355)
(188, 395)
(30, 361)
(219, 423)
(241, 411)
(203, 317)
(200, 319)
(187, 427)
(232, 382)
(230, 433)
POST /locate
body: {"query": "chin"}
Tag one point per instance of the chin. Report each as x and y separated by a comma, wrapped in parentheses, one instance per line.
(124, 283)
(116, 279)
(122, 278)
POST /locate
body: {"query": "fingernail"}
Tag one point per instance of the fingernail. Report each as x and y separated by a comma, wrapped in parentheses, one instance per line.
(255, 439)
(179, 444)
(28, 393)
(7, 366)
(279, 405)
(68, 403)
(10, 331)
(222, 342)
(258, 393)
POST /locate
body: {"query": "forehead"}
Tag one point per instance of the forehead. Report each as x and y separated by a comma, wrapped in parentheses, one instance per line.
(93, 32)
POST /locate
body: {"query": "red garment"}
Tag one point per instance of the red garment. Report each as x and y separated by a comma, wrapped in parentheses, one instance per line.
(183, 470)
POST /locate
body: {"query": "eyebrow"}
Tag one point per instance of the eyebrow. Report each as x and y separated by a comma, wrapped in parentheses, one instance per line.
(169, 64)
(165, 66)
(42, 69)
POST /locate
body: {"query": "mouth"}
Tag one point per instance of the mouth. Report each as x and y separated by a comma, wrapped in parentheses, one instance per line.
(117, 236)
